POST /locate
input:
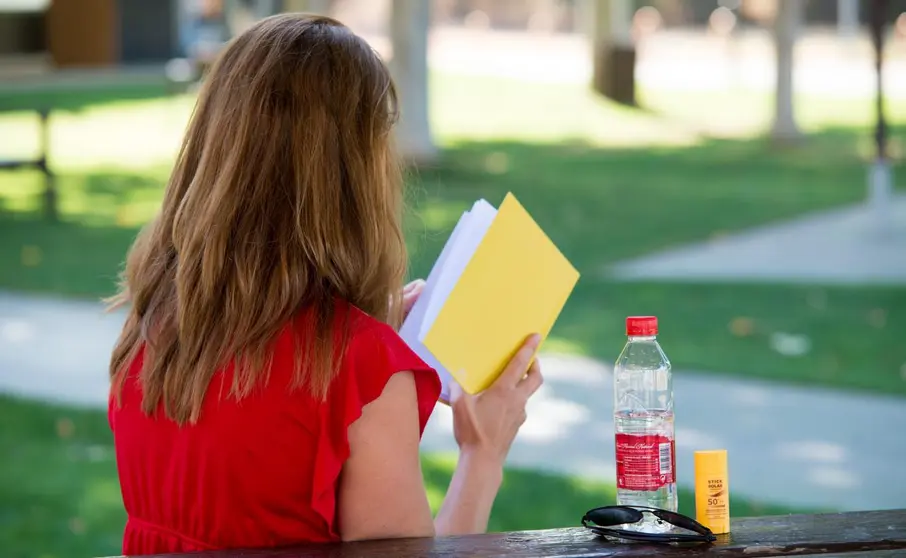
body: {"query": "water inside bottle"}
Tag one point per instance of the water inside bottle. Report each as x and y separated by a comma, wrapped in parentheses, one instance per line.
(647, 423)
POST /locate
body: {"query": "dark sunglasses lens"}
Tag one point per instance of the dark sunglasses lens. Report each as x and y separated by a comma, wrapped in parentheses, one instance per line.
(614, 515)
(680, 521)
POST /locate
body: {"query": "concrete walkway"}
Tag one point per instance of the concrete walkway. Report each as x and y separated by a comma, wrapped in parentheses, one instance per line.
(795, 446)
(846, 246)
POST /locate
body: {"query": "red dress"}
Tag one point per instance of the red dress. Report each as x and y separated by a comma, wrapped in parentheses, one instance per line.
(259, 472)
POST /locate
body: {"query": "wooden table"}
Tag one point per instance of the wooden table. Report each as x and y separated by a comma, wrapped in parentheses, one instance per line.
(873, 534)
(43, 92)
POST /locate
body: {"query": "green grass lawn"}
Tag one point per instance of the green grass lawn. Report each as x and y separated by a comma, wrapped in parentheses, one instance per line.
(45, 513)
(600, 205)
(606, 182)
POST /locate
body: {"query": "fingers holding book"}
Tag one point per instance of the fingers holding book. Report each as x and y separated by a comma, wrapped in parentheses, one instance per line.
(523, 372)
(488, 423)
(411, 292)
(532, 380)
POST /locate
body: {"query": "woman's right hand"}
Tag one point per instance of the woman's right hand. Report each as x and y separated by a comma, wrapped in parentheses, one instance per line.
(486, 424)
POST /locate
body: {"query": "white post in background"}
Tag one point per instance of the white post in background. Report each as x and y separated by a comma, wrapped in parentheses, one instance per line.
(847, 18)
(409, 24)
(786, 31)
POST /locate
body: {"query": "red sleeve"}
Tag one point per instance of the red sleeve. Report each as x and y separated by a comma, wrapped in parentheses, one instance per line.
(375, 353)
(378, 354)
(110, 408)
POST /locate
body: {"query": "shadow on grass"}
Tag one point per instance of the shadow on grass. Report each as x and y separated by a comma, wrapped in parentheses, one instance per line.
(603, 205)
(62, 258)
(527, 499)
(81, 254)
(536, 500)
(81, 98)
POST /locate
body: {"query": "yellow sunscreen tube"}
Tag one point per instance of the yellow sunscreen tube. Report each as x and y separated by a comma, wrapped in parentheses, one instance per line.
(712, 490)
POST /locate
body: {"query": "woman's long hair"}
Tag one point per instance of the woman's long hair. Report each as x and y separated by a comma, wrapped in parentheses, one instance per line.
(286, 195)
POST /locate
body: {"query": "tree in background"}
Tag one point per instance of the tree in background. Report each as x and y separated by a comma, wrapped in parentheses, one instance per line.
(309, 6)
(409, 24)
(786, 27)
(613, 49)
(880, 172)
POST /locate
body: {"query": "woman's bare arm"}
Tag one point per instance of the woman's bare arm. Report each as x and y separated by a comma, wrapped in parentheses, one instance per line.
(467, 506)
(382, 491)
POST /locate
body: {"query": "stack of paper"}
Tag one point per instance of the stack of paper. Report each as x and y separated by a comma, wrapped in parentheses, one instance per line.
(498, 279)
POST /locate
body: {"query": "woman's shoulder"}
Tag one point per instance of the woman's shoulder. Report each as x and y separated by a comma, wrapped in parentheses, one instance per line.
(366, 345)
(373, 353)
(375, 341)
(360, 323)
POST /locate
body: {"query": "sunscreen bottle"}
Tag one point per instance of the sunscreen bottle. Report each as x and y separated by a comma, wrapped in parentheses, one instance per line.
(712, 490)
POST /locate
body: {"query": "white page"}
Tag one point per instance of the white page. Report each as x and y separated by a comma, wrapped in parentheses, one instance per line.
(412, 326)
(475, 227)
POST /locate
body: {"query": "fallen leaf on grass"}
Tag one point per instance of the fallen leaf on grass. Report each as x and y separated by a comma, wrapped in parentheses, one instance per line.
(817, 299)
(77, 525)
(742, 326)
(497, 163)
(877, 318)
(718, 235)
(31, 256)
(65, 428)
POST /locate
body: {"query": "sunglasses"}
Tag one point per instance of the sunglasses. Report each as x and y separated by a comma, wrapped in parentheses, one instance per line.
(601, 520)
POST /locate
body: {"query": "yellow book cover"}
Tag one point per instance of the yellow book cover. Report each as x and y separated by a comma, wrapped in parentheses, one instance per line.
(498, 280)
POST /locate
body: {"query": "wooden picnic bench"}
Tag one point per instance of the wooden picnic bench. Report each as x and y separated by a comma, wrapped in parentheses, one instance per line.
(872, 534)
(46, 91)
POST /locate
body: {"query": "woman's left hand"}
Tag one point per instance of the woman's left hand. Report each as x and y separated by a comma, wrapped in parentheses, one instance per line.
(411, 292)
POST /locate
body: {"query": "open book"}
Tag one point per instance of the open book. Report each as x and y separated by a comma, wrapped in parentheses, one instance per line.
(498, 279)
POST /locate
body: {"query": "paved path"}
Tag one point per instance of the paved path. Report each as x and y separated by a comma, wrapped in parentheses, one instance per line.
(803, 447)
(844, 246)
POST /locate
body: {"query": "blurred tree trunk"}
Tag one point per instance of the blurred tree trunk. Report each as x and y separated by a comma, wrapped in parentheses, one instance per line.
(321, 7)
(613, 50)
(265, 8)
(786, 31)
(880, 173)
(409, 23)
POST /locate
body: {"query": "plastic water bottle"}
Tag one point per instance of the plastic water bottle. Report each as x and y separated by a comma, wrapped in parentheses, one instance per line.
(643, 422)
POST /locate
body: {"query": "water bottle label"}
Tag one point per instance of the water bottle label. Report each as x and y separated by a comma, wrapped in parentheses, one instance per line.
(645, 462)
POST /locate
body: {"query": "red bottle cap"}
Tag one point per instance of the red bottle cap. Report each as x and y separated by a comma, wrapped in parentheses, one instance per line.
(641, 326)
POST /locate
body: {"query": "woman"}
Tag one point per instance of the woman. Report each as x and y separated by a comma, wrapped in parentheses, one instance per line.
(260, 394)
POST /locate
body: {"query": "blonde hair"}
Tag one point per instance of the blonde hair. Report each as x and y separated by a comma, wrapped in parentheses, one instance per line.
(286, 195)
